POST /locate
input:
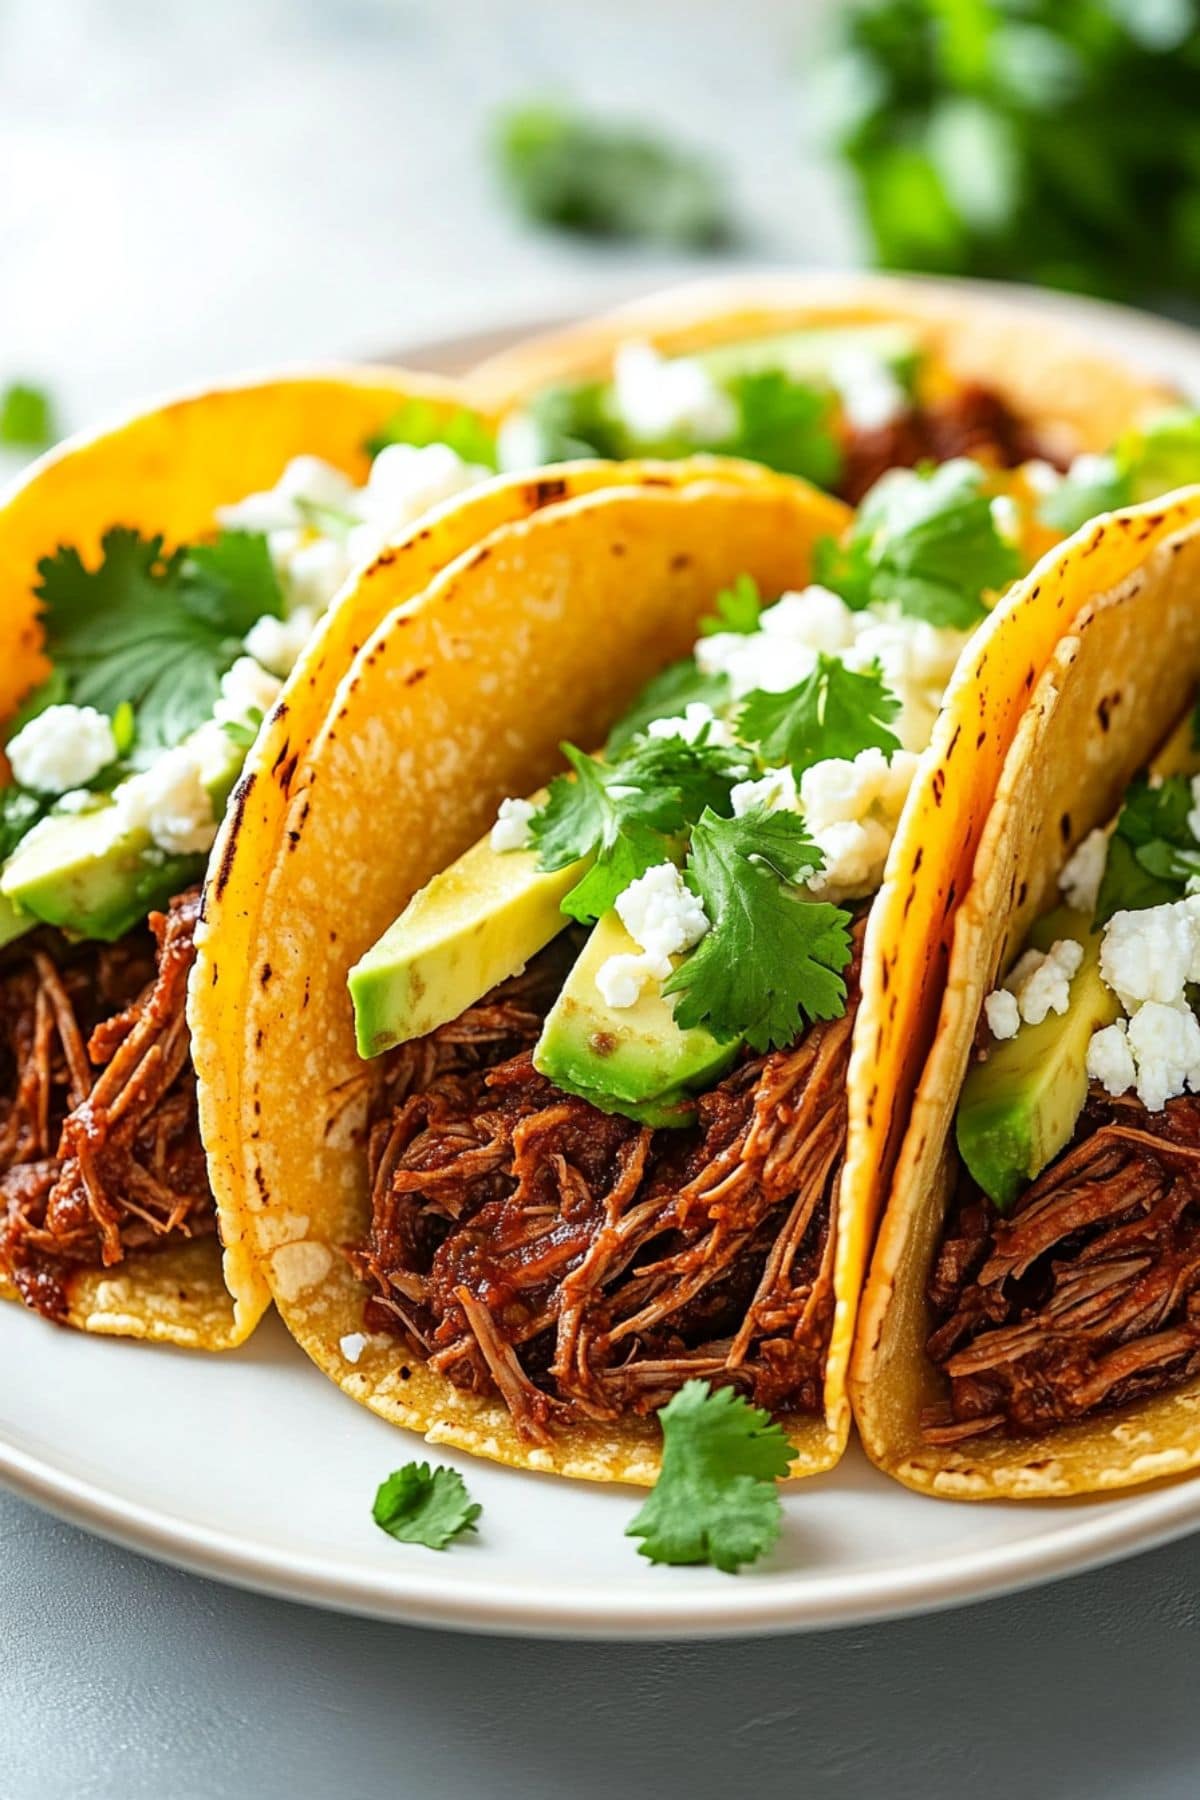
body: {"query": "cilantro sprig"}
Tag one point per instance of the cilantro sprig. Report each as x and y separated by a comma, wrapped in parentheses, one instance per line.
(715, 1500)
(785, 424)
(738, 609)
(833, 712)
(152, 630)
(926, 542)
(771, 960)
(1152, 853)
(420, 423)
(668, 696)
(420, 1505)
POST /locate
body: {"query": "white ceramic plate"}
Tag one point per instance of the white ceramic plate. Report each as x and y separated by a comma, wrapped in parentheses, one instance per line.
(253, 1468)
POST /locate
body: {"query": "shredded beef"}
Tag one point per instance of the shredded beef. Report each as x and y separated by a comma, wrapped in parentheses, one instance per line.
(100, 1150)
(1087, 1295)
(973, 422)
(582, 1266)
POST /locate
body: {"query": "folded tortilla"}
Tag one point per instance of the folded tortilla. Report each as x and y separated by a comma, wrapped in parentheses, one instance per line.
(168, 470)
(1122, 604)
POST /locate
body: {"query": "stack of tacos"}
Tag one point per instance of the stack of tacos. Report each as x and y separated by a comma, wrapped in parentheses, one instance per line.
(589, 889)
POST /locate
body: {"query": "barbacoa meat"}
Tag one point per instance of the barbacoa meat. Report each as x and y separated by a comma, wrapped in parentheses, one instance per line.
(100, 1150)
(581, 1266)
(974, 422)
(1087, 1296)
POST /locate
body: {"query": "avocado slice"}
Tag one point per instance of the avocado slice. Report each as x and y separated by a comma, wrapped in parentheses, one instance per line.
(1018, 1108)
(80, 871)
(635, 1059)
(808, 354)
(13, 922)
(474, 924)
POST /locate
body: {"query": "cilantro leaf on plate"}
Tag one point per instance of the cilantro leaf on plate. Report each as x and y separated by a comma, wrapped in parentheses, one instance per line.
(833, 712)
(715, 1500)
(419, 422)
(770, 960)
(738, 609)
(1152, 854)
(420, 1505)
(785, 424)
(27, 419)
(668, 696)
(156, 631)
(925, 541)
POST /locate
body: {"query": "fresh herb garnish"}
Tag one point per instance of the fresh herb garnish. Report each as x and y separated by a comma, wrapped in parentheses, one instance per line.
(26, 417)
(738, 610)
(1093, 485)
(715, 1500)
(1152, 853)
(585, 175)
(771, 960)
(420, 422)
(926, 542)
(19, 813)
(668, 696)
(785, 424)
(833, 712)
(152, 630)
(420, 1505)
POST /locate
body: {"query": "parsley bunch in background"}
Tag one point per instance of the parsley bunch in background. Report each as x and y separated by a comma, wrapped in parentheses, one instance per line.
(1056, 141)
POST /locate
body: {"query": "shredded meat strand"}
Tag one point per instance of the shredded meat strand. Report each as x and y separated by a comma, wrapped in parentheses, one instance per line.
(973, 422)
(1087, 1296)
(583, 1266)
(100, 1150)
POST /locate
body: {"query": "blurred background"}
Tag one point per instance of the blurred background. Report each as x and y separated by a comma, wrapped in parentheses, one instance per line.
(191, 189)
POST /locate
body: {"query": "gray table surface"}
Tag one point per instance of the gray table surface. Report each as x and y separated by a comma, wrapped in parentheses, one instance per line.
(121, 1679)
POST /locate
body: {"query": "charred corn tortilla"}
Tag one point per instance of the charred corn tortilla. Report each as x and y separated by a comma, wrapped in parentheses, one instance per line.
(1122, 606)
(167, 471)
(1076, 396)
(440, 715)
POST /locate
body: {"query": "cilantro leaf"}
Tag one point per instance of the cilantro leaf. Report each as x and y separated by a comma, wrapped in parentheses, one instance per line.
(570, 421)
(604, 813)
(926, 541)
(419, 422)
(668, 696)
(420, 1505)
(1093, 485)
(1152, 854)
(786, 425)
(715, 1500)
(20, 811)
(833, 712)
(156, 631)
(586, 175)
(26, 417)
(770, 959)
(739, 609)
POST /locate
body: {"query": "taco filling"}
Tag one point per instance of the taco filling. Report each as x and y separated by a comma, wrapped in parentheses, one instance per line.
(605, 1153)
(1068, 1280)
(161, 668)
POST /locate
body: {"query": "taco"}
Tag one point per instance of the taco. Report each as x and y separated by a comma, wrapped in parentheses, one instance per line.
(535, 1195)
(833, 378)
(1031, 1325)
(158, 581)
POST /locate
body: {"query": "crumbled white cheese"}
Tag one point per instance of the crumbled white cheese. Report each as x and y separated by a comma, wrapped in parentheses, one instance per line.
(852, 808)
(855, 853)
(352, 1345)
(1152, 954)
(1110, 1060)
(1041, 477)
(511, 830)
(61, 748)
(170, 800)
(277, 643)
(1006, 517)
(698, 724)
(916, 660)
(520, 443)
(1002, 1013)
(1082, 873)
(871, 395)
(664, 918)
(662, 397)
(307, 481)
(776, 790)
(1091, 467)
(247, 689)
(1163, 1044)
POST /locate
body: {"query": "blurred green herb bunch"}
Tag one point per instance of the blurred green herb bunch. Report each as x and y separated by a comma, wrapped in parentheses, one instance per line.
(1052, 140)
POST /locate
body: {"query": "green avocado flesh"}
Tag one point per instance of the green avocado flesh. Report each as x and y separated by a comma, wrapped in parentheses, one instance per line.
(78, 872)
(475, 924)
(634, 1059)
(808, 355)
(1018, 1108)
(13, 922)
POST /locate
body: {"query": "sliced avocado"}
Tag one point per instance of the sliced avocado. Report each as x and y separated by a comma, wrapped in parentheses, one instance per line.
(632, 1059)
(81, 872)
(808, 355)
(475, 924)
(1018, 1108)
(13, 922)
